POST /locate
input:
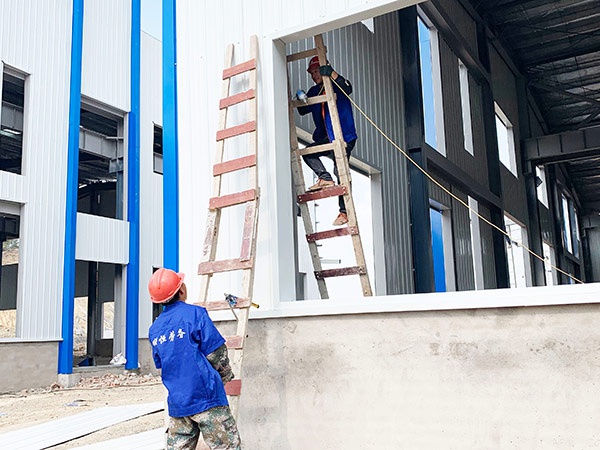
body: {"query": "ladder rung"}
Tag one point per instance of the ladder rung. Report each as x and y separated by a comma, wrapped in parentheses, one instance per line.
(310, 101)
(323, 193)
(220, 305)
(225, 265)
(239, 68)
(234, 387)
(356, 270)
(234, 164)
(337, 232)
(237, 98)
(316, 149)
(301, 55)
(232, 199)
(234, 342)
(236, 131)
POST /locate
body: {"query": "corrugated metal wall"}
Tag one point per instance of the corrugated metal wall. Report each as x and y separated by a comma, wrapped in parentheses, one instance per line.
(463, 250)
(371, 61)
(34, 38)
(487, 249)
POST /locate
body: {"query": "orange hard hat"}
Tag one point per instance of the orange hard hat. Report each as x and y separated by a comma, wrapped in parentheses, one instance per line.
(164, 284)
(313, 64)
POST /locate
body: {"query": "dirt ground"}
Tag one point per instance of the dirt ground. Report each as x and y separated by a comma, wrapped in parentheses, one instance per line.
(33, 407)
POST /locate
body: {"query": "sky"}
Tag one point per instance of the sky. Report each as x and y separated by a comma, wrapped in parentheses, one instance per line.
(151, 17)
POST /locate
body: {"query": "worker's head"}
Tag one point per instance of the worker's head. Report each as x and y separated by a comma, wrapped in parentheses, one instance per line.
(313, 69)
(166, 285)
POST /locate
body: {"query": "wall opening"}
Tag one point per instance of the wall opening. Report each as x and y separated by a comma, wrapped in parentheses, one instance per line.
(100, 163)
(518, 258)
(11, 121)
(9, 274)
(97, 313)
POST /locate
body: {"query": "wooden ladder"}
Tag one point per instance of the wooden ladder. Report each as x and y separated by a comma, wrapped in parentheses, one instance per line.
(344, 188)
(208, 266)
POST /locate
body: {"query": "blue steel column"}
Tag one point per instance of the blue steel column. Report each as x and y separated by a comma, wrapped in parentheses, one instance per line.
(170, 139)
(132, 305)
(65, 347)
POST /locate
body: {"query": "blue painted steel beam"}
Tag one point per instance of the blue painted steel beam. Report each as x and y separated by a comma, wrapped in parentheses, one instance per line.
(65, 347)
(170, 139)
(132, 305)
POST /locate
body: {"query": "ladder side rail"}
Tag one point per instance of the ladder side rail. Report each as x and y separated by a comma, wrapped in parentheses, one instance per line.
(209, 248)
(299, 189)
(343, 169)
(248, 249)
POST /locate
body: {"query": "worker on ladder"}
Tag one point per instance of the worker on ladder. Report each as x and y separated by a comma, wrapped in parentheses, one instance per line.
(323, 133)
(192, 354)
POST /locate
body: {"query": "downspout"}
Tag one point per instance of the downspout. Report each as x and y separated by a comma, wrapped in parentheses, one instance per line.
(133, 197)
(170, 139)
(65, 346)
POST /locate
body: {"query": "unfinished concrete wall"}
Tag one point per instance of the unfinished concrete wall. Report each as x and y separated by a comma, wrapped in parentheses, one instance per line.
(486, 378)
(27, 365)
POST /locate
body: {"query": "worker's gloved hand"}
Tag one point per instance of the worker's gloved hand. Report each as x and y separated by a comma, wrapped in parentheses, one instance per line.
(326, 71)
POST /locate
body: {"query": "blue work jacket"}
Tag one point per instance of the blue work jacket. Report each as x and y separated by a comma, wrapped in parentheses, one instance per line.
(181, 338)
(320, 112)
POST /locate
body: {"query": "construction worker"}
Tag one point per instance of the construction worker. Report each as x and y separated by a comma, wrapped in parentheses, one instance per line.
(323, 133)
(192, 354)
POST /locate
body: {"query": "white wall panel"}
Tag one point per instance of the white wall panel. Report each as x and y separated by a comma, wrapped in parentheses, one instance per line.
(111, 247)
(106, 51)
(151, 185)
(35, 39)
(204, 30)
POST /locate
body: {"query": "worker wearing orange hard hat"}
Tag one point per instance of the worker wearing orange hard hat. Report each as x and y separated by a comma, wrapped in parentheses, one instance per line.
(192, 355)
(323, 133)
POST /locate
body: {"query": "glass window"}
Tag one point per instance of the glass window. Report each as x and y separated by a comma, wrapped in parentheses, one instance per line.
(9, 270)
(465, 103)
(158, 150)
(567, 236)
(506, 142)
(540, 182)
(431, 87)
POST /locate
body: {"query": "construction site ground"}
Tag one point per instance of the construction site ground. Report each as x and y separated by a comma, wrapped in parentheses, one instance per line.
(31, 407)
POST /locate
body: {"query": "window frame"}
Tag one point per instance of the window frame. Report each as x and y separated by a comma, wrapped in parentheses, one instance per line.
(465, 106)
(510, 162)
(437, 106)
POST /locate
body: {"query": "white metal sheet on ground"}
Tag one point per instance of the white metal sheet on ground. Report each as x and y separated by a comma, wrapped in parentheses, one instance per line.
(148, 440)
(55, 432)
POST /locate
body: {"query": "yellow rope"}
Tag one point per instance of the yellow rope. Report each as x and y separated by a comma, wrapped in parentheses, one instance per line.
(462, 202)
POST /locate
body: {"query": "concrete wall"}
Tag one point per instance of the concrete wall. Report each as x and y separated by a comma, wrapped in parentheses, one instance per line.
(27, 365)
(481, 378)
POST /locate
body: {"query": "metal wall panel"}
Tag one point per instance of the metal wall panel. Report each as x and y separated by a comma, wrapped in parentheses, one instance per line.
(487, 249)
(204, 30)
(474, 165)
(102, 239)
(371, 61)
(463, 250)
(151, 184)
(106, 43)
(505, 95)
(463, 22)
(34, 39)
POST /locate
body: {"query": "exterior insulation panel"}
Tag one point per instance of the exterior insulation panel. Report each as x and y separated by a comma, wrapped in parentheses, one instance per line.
(463, 249)
(35, 40)
(151, 183)
(371, 61)
(208, 29)
(106, 52)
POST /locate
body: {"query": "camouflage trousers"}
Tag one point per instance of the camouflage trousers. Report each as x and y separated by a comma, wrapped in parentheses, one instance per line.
(217, 426)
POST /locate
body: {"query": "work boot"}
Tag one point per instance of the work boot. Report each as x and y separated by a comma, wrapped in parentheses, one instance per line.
(341, 219)
(321, 184)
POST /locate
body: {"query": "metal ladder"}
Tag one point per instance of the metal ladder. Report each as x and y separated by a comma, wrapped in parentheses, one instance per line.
(208, 266)
(344, 188)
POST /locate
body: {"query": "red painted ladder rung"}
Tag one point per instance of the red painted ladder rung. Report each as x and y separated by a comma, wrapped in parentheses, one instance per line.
(356, 270)
(232, 199)
(235, 164)
(237, 98)
(337, 232)
(234, 342)
(220, 305)
(236, 130)
(225, 265)
(323, 193)
(239, 68)
(234, 387)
